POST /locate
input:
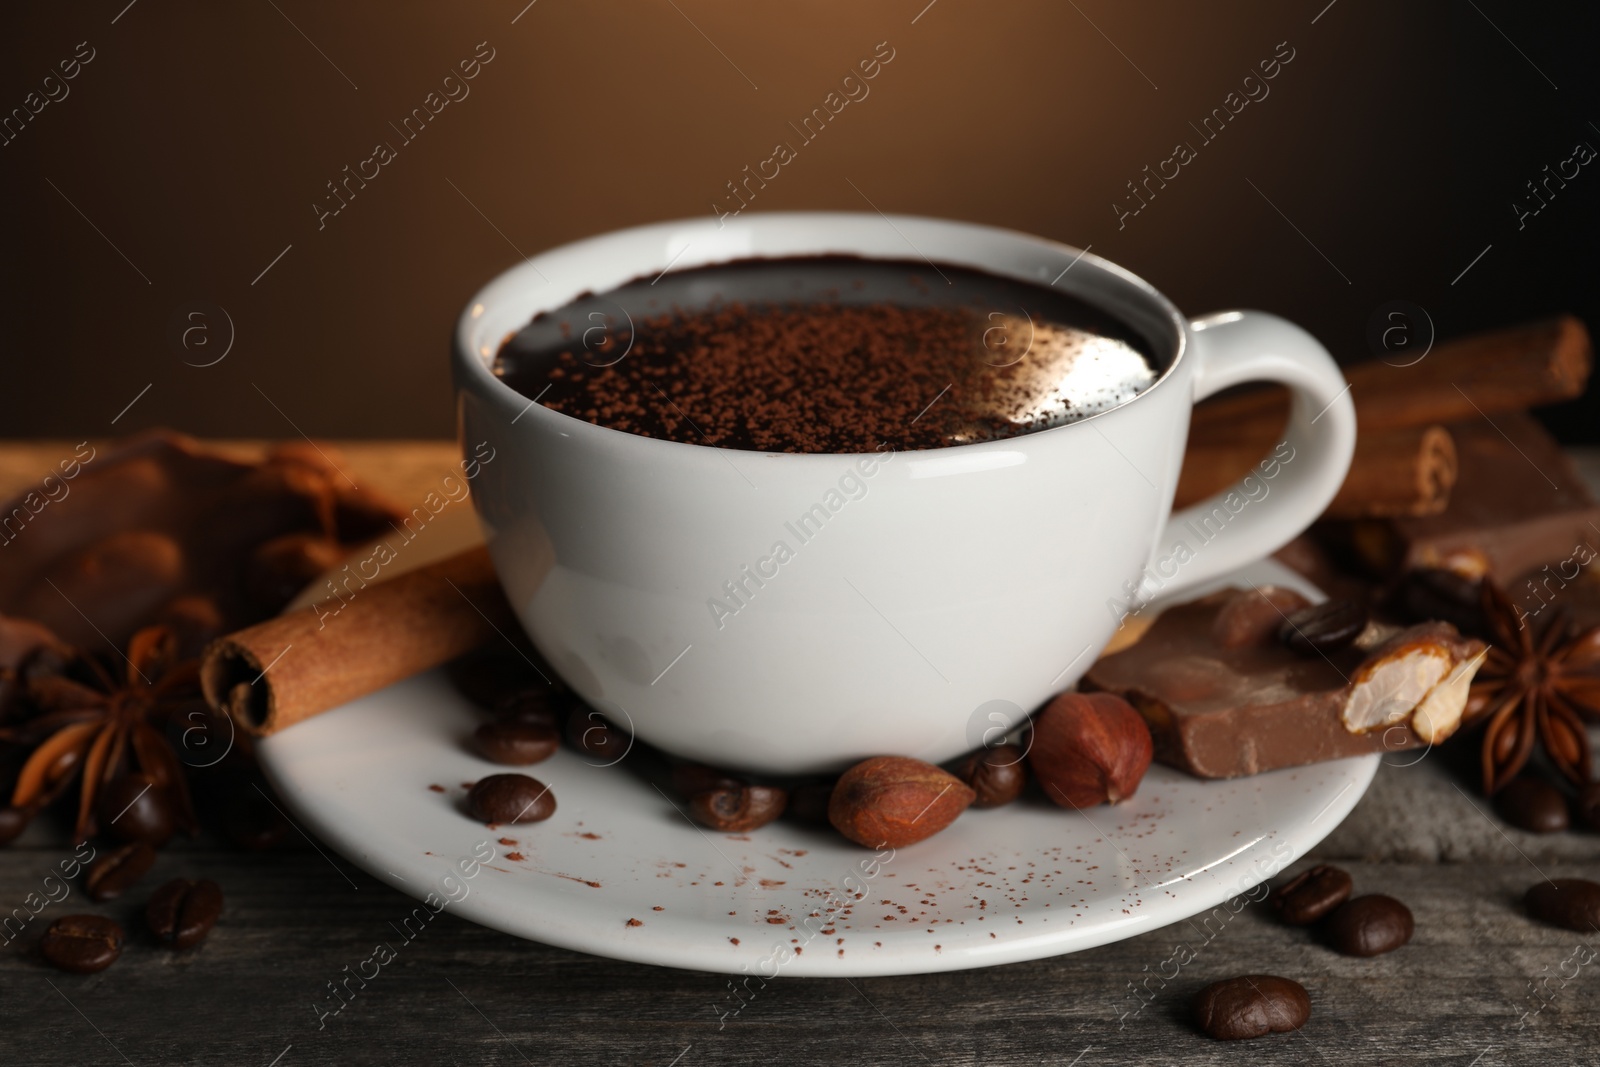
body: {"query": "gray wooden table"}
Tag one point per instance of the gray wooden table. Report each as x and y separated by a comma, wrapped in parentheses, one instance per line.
(1480, 984)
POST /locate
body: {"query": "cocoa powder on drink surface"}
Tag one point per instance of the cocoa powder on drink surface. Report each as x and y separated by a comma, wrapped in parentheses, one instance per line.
(828, 354)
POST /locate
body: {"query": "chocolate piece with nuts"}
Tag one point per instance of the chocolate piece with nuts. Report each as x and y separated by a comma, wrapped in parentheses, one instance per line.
(1220, 712)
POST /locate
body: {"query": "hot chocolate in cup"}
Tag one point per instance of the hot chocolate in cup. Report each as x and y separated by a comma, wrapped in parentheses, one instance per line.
(770, 603)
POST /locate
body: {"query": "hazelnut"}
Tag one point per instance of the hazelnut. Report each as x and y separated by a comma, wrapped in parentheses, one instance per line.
(1089, 748)
(892, 801)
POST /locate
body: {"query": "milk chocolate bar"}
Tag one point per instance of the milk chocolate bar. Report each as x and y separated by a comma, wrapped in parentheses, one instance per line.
(1219, 707)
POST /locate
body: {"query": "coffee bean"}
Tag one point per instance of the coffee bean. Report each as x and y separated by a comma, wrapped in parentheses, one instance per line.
(1324, 627)
(1251, 1005)
(735, 811)
(1588, 805)
(182, 912)
(590, 733)
(502, 798)
(82, 944)
(135, 808)
(1573, 903)
(516, 744)
(1369, 926)
(114, 871)
(996, 774)
(1311, 894)
(12, 822)
(1533, 805)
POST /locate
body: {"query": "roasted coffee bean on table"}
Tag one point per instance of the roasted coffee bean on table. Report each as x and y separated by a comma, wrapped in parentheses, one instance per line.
(110, 873)
(1533, 805)
(1311, 894)
(183, 911)
(514, 743)
(1325, 627)
(1252, 1005)
(996, 775)
(1573, 903)
(510, 798)
(82, 944)
(1368, 926)
(737, 810)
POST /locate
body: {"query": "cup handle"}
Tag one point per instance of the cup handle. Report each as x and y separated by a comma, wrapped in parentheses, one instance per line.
(1292, 485)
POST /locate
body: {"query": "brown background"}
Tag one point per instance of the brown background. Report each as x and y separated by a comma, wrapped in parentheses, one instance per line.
(200, 135)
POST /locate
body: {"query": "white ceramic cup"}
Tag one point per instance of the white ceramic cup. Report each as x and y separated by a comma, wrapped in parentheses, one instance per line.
(927, 598)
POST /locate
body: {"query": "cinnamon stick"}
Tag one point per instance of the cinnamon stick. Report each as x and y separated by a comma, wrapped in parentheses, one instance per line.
(1404, 464)
(1487, 373)
(1400, 472)
(299, 664)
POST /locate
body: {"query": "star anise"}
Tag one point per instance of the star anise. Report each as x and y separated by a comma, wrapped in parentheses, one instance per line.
(1537, 684)
(89, 730)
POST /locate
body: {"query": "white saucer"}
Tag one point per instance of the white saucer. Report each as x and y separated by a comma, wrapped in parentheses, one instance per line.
(620, 871)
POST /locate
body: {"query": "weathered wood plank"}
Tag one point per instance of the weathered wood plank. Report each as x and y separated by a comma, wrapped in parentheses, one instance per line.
(461, 993)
